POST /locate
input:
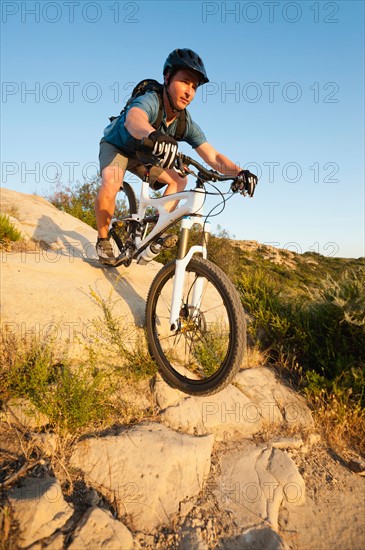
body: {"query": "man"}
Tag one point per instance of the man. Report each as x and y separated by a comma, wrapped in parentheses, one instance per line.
(183, 72)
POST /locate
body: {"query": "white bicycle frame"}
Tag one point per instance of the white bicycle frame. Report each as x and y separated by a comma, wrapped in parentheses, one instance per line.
(190, 209)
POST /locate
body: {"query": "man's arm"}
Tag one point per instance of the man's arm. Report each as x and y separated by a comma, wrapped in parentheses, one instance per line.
(137, 123)
(164, 147)
(216, 160)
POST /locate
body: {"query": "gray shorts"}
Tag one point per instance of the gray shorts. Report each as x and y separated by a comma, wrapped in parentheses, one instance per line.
(109, 155)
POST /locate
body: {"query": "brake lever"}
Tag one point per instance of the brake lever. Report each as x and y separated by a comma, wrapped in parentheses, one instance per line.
(180, 166)
(238, 185)
(243, 187)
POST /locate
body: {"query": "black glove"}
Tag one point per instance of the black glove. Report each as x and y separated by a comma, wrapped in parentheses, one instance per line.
(164, 148)
(246, 183)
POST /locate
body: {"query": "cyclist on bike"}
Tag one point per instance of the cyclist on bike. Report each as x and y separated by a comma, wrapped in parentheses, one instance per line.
(183, 72)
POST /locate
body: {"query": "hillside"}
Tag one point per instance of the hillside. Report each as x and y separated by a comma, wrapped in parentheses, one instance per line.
(301, 271)
(93, 456)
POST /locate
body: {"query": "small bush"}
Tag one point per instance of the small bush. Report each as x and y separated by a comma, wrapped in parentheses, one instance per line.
(8, 233)
(71, 397)
(337, 407)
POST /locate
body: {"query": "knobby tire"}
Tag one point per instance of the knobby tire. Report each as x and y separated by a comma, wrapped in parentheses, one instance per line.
(204, 354)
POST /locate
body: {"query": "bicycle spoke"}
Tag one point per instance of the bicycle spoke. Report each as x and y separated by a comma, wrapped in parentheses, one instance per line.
(193, 345)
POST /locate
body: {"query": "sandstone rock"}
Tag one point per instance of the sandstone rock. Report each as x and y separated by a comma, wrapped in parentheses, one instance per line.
(61, 274)
(274, 401)
(185, 508)
(284, 470)
(39, 508)
(262, 538)
(255, 481)
(54, 542)
(239, 489)
(98, 529)
(148, 469)
(272, 489)
(165, 395)
(39, 218)
(241, 411)
(227, 414)
(287, 443)
(57, 542)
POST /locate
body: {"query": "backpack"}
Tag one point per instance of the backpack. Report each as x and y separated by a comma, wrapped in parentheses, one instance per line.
(151, 85)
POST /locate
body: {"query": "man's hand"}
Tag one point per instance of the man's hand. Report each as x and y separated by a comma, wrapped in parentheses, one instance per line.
(164, 148)
(246, 183)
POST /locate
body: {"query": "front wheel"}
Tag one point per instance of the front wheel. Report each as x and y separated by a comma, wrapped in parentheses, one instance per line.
(202, 354)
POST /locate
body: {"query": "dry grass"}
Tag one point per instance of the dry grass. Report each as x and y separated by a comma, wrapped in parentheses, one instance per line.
(255, 358)
(342, 424)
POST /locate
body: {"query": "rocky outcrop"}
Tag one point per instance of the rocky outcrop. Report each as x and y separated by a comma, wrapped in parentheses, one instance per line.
(98, 529)
(39, 508)
(150, 470)
(256, 399)
(147, 471)
(254, 482)
(46, 290)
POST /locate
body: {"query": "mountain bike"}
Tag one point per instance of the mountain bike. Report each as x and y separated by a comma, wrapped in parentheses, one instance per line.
(195, 322)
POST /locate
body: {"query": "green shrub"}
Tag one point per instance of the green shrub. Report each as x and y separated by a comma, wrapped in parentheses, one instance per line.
(71, 397)
(324, 332)
(7, 230)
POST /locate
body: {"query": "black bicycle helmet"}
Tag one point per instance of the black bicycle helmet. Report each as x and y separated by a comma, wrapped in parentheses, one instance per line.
(186, 59)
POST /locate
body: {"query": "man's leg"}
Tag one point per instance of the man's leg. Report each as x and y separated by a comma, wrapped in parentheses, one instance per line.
(112, 178)
(175, 184)
(104, 210)
(112, 167)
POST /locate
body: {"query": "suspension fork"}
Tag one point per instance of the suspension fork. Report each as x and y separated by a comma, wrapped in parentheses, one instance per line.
(182, 261)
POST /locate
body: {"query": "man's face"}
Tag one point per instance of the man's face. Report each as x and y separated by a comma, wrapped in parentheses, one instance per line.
(182, 87)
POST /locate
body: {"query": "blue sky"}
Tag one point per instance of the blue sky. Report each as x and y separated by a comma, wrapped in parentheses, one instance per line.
(285, 99)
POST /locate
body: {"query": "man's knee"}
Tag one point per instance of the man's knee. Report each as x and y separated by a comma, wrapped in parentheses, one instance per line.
(180, 182)
(112, 180)
(171, 177)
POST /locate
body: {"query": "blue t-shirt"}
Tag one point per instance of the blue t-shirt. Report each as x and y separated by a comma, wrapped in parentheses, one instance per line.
(117, 134)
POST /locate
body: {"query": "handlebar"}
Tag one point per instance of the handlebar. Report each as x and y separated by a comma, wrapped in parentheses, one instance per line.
(182, 161)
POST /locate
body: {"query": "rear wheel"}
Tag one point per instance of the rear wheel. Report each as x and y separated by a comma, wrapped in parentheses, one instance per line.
(121, 231)
(130, 198)
(202, 354)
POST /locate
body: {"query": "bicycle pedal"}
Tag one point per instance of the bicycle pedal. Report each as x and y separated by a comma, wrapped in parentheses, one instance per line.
(169, 241)
(120, 260)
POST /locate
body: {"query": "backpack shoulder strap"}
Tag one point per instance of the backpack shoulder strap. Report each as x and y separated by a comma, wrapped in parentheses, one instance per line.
(181, 122)
(159, 118)
(181, 126)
